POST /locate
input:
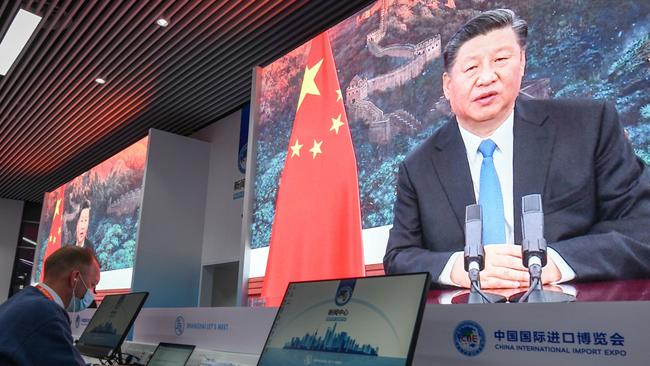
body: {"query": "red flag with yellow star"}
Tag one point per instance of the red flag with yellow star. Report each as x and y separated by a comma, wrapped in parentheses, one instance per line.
(317, 226)
(54, 239)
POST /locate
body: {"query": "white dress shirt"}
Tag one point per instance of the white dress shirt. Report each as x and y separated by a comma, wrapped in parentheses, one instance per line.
(503, 137)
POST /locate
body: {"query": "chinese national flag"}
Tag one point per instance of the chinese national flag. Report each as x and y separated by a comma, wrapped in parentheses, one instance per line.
(317, 226)
(54, 239)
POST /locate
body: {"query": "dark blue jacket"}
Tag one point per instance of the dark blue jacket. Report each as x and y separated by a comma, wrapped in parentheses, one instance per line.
(35, 331)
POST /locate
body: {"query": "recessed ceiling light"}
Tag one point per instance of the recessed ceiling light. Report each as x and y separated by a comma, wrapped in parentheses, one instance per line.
(19, 32)
(162, 22)
(100, 81)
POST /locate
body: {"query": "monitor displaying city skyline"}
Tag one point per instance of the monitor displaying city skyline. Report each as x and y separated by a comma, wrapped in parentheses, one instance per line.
(351, 322)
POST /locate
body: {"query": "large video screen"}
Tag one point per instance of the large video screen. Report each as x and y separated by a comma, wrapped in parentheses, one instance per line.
(389, 64)
(99, 209)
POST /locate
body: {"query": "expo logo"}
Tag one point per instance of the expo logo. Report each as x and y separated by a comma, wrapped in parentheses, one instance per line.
(469, 338)
(179, 326)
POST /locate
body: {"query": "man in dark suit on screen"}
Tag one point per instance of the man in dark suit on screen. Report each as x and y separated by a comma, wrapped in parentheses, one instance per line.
(34, 322)
(596, 197)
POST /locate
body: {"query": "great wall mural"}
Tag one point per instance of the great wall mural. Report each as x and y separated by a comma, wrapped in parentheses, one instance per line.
(382, 126)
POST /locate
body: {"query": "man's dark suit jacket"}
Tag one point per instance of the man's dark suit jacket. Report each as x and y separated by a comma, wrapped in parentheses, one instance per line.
(596, 197)
(35, 331)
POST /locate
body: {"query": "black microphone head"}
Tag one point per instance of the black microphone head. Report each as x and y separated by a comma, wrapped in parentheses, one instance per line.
(532, 223)
(474, 237)
(531, 203)
(472, 212)
(532, 216)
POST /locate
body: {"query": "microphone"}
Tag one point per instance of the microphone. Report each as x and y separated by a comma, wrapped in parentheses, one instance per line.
(533, 250)
(474, 252)
(475, 258)
(533, 246)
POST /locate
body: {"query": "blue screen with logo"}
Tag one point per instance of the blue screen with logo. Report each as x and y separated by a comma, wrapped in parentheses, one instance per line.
(351, 322)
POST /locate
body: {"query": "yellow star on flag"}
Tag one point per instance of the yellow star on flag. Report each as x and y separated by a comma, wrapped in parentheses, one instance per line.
(308, 83)
(295, 149)
(338, 95)
(336, 124)
(315, 150)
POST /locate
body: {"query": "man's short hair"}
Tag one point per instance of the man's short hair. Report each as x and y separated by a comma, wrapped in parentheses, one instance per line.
(481, 24)
(66, 259)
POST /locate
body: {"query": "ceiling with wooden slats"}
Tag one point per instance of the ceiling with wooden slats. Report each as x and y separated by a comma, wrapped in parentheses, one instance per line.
(57, 122)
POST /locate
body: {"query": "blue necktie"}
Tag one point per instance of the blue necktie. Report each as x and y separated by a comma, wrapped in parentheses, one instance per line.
(490, 197)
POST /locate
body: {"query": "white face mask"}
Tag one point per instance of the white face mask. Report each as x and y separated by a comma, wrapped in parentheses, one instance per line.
(83, 303)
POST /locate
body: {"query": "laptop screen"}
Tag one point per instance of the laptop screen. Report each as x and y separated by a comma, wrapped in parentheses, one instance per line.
(356, 322)
(170, 354)
(110, 324)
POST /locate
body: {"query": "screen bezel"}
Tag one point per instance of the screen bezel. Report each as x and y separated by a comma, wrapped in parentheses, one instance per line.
(416, 325)
(174, 345)
(99, 351)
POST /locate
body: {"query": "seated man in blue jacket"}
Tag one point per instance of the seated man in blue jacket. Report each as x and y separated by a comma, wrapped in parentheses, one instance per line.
(35, 325)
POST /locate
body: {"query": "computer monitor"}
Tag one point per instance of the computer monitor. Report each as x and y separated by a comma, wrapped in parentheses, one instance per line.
(349, 322)
(110, 324)
(171, 354)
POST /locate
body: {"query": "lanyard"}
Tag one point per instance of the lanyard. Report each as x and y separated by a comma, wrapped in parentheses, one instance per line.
(45, 292)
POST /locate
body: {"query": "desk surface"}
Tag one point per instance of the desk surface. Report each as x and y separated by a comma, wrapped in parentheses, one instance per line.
(624, 290)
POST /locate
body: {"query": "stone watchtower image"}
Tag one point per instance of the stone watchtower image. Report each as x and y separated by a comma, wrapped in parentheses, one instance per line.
(357, 90)
(383, 126)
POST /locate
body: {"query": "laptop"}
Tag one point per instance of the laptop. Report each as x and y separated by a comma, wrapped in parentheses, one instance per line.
(171, 354)
(110, 324)
(348, 322)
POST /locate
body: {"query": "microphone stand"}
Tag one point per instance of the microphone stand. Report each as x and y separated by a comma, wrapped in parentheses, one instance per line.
(533, 250)
(476, 295)
(535, 292)
(475, 260)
